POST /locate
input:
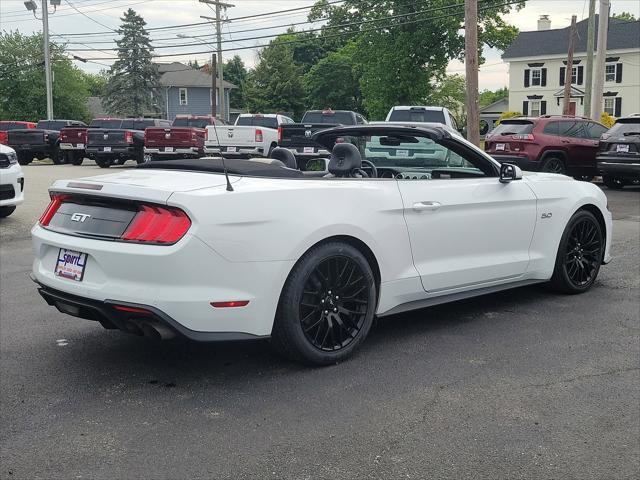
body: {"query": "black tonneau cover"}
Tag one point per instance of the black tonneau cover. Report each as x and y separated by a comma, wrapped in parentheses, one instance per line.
(248, 168)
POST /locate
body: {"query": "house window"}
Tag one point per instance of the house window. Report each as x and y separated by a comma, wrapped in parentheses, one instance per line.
(574, 75)
(535, 108)
(183, 96)
(610, 72)
(536, 77)
(610, 106)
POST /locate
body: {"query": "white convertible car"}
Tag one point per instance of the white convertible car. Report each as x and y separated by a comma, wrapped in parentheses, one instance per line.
(309, 258)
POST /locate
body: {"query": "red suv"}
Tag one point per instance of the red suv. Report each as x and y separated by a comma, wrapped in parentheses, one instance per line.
(556, 144)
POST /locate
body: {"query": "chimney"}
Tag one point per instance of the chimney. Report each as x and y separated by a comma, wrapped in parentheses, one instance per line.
(544, 23)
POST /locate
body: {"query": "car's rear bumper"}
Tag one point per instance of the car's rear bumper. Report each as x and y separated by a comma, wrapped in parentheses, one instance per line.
(238, 152)
(134, 318)
(176, 151)
(115, 152)
(180, 280)
(618, 167)
(523, 162)
(12, 186)
(72, 146)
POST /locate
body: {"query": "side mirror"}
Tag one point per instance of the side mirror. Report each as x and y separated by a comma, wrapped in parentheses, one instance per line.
(509, 172)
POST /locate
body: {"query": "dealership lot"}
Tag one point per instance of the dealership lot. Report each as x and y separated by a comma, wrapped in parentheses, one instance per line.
(520, 384)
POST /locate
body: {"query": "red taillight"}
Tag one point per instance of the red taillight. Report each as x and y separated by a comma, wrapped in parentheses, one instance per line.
(54, 205)
(126, 309)
(46, 138)
(206, 134)
(63, 135)
(155, 224)
(231, 304)
(258, 135)
(279, 134)
(523, 136)
(128, 136)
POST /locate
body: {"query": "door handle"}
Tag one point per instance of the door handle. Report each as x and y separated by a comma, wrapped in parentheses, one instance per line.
(419, 206)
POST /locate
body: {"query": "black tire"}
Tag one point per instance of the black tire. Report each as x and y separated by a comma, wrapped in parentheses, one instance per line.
(554, 164)
(579, 254)
(75, 158)
(613, 183)
(24, 159)
(57, 156)
(141, 158)
(313, 324)
(6, 211)
(104, 162)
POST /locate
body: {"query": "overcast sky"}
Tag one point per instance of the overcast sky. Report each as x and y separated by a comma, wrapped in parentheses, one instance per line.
(103, 15)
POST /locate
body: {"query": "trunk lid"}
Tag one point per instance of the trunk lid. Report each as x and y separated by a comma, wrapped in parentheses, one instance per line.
(170, 136)
(106, 136)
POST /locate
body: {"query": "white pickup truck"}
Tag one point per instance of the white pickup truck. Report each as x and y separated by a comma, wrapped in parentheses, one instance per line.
(421, 114)
(253, 135)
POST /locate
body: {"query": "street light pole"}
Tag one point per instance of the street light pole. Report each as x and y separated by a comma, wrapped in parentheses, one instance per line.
(47, 59)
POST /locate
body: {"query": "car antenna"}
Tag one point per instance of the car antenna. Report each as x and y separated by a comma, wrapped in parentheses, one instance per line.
(224, 166)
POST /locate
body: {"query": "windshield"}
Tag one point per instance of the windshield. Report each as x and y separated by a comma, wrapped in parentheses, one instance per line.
(513, 127)
(625, 128)
(258, 121)
(417, 115)
(191, 122)
(342, 118)
(103, 123)
(137, 124)
(51, 125)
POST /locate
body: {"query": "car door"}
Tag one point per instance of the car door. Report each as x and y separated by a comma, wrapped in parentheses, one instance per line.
(467, 232)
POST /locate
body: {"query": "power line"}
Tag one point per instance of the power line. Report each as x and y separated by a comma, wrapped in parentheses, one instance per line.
(512, 2)
(87, 16)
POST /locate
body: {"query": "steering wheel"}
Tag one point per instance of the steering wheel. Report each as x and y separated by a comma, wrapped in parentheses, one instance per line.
(372, 167)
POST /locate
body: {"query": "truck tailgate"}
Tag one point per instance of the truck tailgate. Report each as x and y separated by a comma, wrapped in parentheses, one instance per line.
(299, 134)
(105, 136)
(244, 136)
(26, 137)
(170, 136)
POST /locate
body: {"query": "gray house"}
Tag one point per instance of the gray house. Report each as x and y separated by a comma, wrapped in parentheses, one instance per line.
(188, 91)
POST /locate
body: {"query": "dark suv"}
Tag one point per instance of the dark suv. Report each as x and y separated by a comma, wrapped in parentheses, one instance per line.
(619, 153)
(556, 144)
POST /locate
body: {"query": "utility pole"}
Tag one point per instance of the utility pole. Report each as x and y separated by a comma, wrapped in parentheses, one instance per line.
(471, 69)
(569, 71)
(31, 6)
(219, 6)
(590, 44)
(601, 55)
(214, 100)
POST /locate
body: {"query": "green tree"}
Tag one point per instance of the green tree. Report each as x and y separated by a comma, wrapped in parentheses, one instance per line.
(194, 64)
(275, 84)
(22, 82)
(626, 16)
(334, 82)
(449, 91)
(236, 73)
(400, 58)
(487, 97)
(96, 83)
(133, 87)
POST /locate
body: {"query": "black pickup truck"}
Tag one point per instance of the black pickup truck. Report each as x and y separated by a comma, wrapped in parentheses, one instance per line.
(109, 146)
(297, 136)
(40, 142)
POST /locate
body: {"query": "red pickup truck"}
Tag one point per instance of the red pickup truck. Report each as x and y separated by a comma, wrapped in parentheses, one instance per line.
(185, 138)
(73, 140)
(6, 125)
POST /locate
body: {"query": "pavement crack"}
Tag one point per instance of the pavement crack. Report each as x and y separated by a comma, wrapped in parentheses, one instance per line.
(582, 377)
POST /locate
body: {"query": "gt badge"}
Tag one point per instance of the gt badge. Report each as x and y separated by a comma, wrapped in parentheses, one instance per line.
(79, 217)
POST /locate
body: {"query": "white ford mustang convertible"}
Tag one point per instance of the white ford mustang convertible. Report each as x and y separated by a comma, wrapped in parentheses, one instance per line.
(406, 217)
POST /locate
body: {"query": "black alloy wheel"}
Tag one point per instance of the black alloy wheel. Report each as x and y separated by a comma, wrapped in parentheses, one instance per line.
(580, 254)
(554, 165)
(327, 305)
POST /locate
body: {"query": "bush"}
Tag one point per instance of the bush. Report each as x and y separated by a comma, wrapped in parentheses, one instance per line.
(508, 114)
(607, 120)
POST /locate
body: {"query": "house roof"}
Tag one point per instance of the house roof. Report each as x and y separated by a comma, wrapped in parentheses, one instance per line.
(622, 34)
(178, 74)
(498, 106)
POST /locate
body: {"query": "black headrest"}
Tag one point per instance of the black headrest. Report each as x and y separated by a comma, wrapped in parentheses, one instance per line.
(344, 158)
(285, 156)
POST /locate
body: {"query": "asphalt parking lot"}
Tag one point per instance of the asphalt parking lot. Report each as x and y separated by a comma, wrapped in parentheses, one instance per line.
(520, 384)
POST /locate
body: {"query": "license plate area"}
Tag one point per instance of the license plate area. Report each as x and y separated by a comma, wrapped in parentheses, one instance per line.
(106, 149)
(70, 264)
(168, 149)
(231, 149)
(500, 146)
(308, 150)
(622, 148)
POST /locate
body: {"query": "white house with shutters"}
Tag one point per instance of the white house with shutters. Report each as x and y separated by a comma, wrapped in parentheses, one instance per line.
(538, 63)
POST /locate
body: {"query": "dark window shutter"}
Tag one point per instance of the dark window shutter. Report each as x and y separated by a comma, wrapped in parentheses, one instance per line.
(580, 75)
(543, 107)
(527, 74)
(618, 107)
(563, 72)
(543, 78)
(525, 108)
(618, 73)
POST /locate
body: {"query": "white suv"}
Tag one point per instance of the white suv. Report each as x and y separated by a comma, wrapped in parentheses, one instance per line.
(11, 181)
